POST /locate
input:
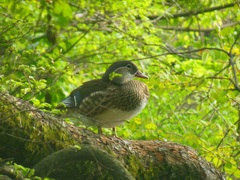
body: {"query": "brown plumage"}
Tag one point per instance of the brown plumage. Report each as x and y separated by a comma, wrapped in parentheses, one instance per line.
(109, 101)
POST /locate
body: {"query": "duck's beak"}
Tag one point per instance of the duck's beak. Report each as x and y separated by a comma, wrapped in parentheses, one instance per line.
(141, 75)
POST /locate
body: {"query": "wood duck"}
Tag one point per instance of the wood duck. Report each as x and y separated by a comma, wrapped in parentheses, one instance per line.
(111, 100)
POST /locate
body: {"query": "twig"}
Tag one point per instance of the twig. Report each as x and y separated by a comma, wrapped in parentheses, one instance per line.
(232, 63)
(223, 78)
(226, 133)
(80, 38)
(173, 28)
(179, 53)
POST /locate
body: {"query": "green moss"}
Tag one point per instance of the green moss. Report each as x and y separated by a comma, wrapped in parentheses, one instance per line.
(139, 170)
(134, 165)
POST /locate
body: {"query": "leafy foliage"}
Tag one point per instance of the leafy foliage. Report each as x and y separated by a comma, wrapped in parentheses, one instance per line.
(190, 50)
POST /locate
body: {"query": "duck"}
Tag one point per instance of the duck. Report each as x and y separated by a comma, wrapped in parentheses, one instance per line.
(109, 101)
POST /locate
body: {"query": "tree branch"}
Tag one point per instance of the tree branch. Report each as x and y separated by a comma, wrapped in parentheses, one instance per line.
(173, 28)
(30, 135)
(192, 13)
(232, 63)
(86, 152)
(178, 53)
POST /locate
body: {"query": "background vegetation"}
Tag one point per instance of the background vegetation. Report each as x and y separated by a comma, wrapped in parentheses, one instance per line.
(189, 49)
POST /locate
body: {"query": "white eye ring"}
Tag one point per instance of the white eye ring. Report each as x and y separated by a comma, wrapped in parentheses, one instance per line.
(129, 66)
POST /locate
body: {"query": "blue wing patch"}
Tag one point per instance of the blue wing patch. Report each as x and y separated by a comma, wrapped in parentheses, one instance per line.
(74, 100)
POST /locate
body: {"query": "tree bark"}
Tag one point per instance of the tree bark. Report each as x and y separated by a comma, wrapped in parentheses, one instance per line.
(56, 149)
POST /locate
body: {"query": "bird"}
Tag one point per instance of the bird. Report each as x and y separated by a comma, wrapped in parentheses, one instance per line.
(110, 101)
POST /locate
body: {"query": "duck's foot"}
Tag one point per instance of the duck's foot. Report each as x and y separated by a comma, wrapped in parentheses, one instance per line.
(114, 131)
(100, 130)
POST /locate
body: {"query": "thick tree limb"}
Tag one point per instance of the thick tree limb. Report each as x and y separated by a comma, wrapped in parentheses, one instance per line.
(54, 161)
(29, 135)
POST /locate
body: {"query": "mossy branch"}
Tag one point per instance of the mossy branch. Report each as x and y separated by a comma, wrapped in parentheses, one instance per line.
(28, 135)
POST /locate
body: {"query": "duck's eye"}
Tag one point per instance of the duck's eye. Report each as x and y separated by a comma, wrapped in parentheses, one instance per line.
(129, 66)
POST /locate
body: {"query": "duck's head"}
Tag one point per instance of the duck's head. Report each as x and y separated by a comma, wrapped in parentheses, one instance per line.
(122, 71)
